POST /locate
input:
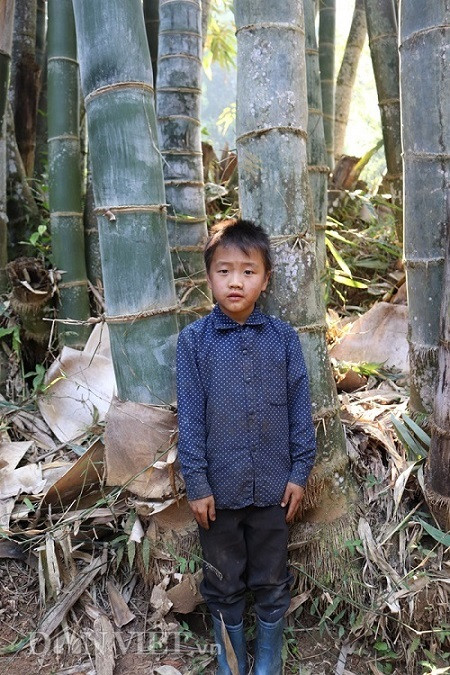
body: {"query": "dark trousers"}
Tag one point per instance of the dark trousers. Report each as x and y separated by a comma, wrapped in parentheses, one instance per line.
(246, 549)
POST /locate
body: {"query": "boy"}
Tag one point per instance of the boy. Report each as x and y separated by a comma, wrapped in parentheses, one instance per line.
(246, 442)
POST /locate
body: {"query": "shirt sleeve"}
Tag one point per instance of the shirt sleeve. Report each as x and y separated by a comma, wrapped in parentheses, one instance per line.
(191, 420)
(302, 439)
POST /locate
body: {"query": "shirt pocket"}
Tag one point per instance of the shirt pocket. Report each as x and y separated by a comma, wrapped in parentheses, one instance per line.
(276, 383)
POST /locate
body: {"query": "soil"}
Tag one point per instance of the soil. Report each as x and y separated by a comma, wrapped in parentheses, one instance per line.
(192, 651)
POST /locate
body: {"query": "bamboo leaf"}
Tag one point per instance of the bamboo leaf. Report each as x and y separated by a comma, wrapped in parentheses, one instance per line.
(407, 439)
(337, 256)
(438, 535)
(418, 431)
(348, 282)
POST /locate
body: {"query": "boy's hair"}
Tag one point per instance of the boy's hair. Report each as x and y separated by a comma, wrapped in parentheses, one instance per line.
(244, 234)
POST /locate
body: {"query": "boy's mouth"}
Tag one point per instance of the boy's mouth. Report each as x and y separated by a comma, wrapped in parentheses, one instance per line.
(235, 295)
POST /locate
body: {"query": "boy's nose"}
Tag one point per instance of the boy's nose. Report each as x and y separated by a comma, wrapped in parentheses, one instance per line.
(235, 282)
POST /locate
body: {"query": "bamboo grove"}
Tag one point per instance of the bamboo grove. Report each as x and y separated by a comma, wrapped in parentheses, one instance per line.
(105, 140)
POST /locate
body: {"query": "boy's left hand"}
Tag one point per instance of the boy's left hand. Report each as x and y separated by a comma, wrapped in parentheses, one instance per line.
(292, 497)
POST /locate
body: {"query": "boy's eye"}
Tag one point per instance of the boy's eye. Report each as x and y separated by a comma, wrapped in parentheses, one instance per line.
(224, 271)
(248, 272)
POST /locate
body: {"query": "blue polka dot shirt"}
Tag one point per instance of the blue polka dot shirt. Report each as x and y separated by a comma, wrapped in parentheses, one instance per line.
(244, 411)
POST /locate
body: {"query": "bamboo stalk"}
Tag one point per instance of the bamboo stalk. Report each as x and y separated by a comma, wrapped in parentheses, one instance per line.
(438, 483)
(66, 216)
(318, 169)
(424, 41)
(327, 21)
(25, 77)
(178, 114)
(274, 191)
(6, 22)
(347, 75)
(128, 186)
(383, 37)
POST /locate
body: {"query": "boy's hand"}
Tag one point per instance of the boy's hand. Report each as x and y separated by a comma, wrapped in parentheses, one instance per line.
(293, 495)
(204, 510)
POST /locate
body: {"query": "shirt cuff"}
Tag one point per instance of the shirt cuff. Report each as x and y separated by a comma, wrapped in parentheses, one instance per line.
(299, 474)
(197, 487)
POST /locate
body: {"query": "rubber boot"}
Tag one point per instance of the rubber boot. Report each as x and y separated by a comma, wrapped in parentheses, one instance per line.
(268, 646)
(237, 639)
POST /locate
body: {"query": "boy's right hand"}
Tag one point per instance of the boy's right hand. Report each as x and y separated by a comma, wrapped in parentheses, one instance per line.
(204, 510)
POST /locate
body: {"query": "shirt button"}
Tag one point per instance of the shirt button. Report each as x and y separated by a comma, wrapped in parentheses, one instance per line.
(248, 379)
(244, 351)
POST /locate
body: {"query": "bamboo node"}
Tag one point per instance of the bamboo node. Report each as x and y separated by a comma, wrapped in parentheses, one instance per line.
(118, 85)
(429, 156)
(181, 56)
(191, 183)
(187, 220)
(272, 24)
(187, 249)
(381, 37)
(325, 414)
(108, 212)
(443, 433)
(312, 328)
(388, 101)
(318, 168)
(423, 262)
(259, 132)
(73, 284)
(145, 314)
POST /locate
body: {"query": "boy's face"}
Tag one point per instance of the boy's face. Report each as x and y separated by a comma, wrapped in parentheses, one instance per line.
(237, 280)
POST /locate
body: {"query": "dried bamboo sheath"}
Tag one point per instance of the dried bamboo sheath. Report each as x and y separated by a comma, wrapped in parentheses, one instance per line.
(64, 171)
(274, 190)
(127, 169)
(425, 56)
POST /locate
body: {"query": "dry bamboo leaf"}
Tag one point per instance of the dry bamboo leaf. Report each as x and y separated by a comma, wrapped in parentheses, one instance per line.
(160, 602)
(12, 453)
(33, 427)
(137, 531)
(297, 601)
(149, 507)
(167, 670)
(6, 509)
(229, 651)
(119, 608)
(400, 484)
(104, 646)
(375, 554)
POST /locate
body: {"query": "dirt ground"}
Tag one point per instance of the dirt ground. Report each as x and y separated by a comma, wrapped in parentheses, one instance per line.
(71, 651)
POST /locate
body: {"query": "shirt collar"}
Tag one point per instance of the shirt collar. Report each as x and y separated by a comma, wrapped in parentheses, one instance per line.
(223, 321)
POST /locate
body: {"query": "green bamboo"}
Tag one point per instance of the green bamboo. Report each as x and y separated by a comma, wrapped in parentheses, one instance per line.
(178, 114)
(347, 75)
(129, 187)
(66, 215)
(151, 18)
(318, 169)
(273, 186)
(424, 68)
(327, 21)
(6, 33)
(383, 38)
